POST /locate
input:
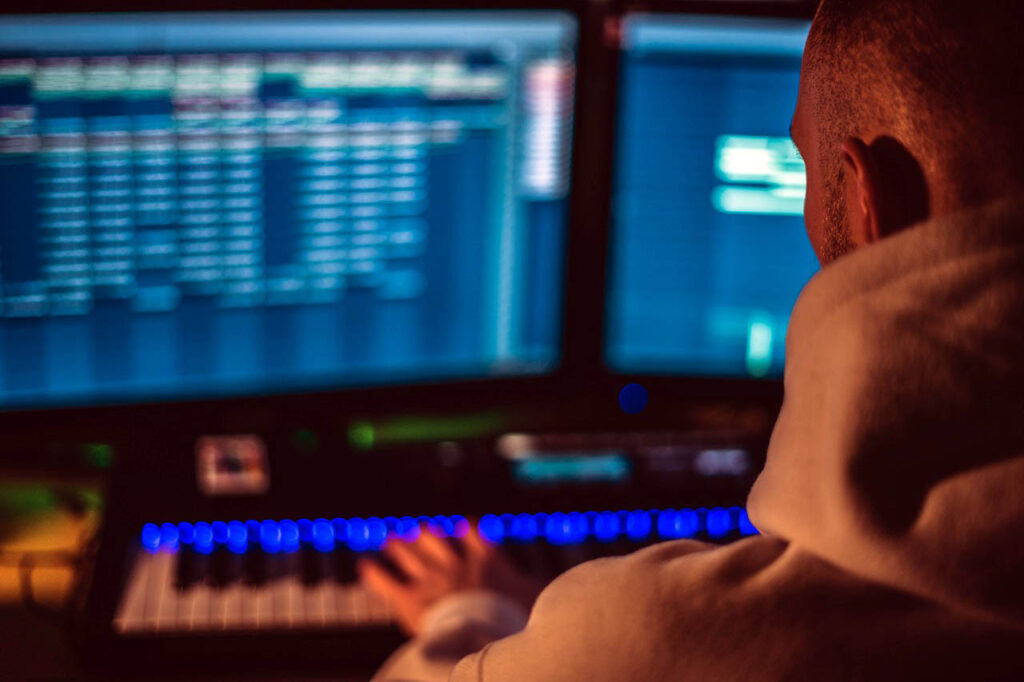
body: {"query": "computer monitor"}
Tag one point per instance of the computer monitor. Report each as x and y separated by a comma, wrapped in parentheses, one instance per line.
(216, 204)
(708, 247)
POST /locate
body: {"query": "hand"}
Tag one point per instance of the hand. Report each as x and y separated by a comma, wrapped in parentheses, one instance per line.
(435, 570)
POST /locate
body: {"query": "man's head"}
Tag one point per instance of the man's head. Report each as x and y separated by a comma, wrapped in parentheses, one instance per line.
(908, 109)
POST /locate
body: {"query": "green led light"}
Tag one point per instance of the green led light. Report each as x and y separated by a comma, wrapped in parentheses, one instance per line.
(361, 435)
(305, 440)
(17, 498)
(99, 455)
(365, 435)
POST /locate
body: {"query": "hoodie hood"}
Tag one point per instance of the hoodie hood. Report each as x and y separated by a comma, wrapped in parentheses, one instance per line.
(899, 451)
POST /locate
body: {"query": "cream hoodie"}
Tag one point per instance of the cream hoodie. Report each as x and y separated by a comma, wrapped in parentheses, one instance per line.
(891, 504)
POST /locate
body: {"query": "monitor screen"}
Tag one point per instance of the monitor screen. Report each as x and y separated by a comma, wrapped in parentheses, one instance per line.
(198, 205)
(708, 246)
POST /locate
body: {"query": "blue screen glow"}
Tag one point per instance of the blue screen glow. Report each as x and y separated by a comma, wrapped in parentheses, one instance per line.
(227, 204)
(709, 249)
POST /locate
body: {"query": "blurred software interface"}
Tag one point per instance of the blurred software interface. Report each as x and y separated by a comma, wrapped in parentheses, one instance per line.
(709, 249)
(218, 204)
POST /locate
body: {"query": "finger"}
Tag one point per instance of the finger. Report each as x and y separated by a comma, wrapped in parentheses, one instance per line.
(380, 581)
(476, 545)
(413, 561)
(438, 550)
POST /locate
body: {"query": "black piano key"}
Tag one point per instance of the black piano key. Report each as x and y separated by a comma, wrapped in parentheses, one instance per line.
(261, 566)
(529, 557)
(344, 569)
(192, 568)
(226, 567)
(315, 565)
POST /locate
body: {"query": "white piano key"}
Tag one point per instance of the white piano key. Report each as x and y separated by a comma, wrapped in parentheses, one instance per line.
(166, 594)
(249, 617)
(313, 604)
(199, 617)
(280, 594)
(131, 613)
(186, 603)
(215, 613)
(296, 602)
(263, 602)
(232, 615)
(332, 616)
(360, 607)
(344, 605)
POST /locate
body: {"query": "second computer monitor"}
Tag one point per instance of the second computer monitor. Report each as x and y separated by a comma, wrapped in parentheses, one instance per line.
(709, 249)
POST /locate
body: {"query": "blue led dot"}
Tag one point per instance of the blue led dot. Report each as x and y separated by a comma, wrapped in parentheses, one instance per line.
(442, 527)
(289, 536)
(408, 529)
(578, 527)
(638, 525)
(340, 526)
(305, 530)
(186, 533)
(203, 541)
(220, 532)
(270, 537)
(238, 537)
(151, 537)
(168, 536)
(633, 398)
(358, 535)
(252, 529)
(746, 527)
(558, 529)
(323, 535)
(393, 524)
(526, 528)
(667, 523)
(491, 528)
(607, 526)
(460, 526)
(719, 522)
(376, 532)
(687, 523)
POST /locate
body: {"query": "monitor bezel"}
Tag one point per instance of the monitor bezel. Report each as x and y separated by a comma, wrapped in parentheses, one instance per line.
(64, 424)
(683, 385)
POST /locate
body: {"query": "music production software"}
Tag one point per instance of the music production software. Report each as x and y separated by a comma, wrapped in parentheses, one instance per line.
(709, 249)
(219, 204)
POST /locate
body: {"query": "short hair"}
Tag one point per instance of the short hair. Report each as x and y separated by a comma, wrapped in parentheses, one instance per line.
(944, 77)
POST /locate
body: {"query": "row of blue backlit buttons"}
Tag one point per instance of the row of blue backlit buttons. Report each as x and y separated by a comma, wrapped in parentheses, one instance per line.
(369, 534)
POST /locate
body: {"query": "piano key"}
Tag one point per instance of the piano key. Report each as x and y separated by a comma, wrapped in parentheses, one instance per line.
(344, 566)
(214, 618)
(332, 613)
(131, 615)
(232, 616)
(316, 565)
(280, 613)
(313, 604)
(165, 598)
(199, 615)
(262, 599)
(186, 598)
(192, 567)
(226, 566)
(293, 589)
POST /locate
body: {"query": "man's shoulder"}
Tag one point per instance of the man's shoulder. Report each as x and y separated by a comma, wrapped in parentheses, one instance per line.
(661, 577)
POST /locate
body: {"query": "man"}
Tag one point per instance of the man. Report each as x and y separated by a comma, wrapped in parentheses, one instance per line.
(891, 504)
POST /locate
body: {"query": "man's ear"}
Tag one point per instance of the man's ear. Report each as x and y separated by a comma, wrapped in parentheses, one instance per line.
(868, 218)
